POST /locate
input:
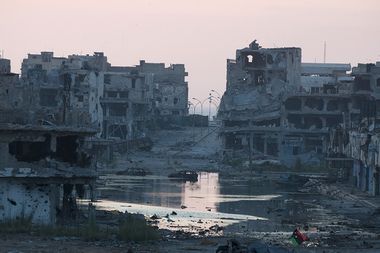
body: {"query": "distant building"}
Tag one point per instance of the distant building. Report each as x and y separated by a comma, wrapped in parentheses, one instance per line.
(170, 89)
(276, 106)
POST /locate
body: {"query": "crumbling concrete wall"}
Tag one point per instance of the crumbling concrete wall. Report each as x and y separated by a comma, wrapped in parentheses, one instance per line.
(27, 200)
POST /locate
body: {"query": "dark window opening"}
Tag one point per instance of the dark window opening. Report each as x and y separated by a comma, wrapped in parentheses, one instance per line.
(332, 105)
(258, 143)
(334, 121)
(28, 151)
(117, 110)
(175, 101)
(112, 94)
(295, 121)
(80, 98)
(255, 60)
(233, 123)
(313, 123)
(378, 82)
(133, 83)
(293, 104)
(269, 59)
(107, 79)
(314, 103)
(67, 149)
(362, 84)
(233, 142)
(296, 150)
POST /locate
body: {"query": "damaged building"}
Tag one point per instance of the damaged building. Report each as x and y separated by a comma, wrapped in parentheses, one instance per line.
(42, 172)
(354, 147)
(126, 104)
(276, 106)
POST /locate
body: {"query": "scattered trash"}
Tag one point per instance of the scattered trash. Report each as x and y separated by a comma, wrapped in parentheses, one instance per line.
(216, 228)
(298, 238)
(155, 217)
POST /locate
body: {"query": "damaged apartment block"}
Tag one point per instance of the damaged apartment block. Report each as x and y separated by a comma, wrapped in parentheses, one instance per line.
(280, 108)
(43, 170)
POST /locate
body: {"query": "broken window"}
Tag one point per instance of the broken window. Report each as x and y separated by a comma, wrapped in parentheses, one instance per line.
(295, 121)
(293, 104)
(67, 149)
(107, 79)
(30, 151)
(255, 60)
(362, 83)
(269, 59)
(312, 122)
(236, 123)
(314, 103)
(334, 121)
(260, 78)
(133, 83)
(258, 142)
(117, 110)
(233, 142)
(332, 105)
(112, 94)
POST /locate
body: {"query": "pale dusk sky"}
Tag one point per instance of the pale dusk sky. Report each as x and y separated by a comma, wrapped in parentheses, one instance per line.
(199, 34)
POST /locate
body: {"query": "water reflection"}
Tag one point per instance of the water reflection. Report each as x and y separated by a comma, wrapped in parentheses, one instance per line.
(209, 194)
(202, 195)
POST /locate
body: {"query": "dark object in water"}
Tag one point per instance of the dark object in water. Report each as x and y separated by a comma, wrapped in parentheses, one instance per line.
(191, 176)
(135, 171)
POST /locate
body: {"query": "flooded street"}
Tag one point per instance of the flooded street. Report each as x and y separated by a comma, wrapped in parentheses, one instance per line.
(268, 207)
(197, 204)
(210, 194)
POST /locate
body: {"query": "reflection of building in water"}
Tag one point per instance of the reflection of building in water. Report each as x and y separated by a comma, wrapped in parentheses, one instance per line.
(203, 194)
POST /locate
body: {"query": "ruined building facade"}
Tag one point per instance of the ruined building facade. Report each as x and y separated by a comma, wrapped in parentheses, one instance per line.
(275, 105)
(354, 148)
(85, 90)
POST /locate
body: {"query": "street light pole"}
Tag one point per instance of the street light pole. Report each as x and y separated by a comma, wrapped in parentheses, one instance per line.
(216, 93)
(199, 102)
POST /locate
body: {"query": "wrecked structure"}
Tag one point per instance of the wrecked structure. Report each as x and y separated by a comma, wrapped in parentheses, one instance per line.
(42, 171)
(354, 148)
(278, 107)
(87, 90)
(170, 89)
(44, 162)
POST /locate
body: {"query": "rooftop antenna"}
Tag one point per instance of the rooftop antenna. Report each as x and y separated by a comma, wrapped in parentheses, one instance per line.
(324, 52)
